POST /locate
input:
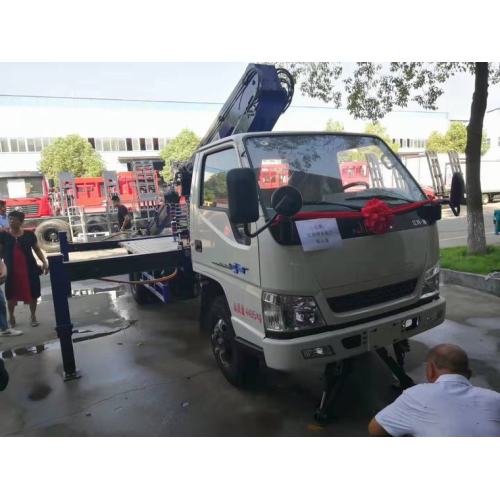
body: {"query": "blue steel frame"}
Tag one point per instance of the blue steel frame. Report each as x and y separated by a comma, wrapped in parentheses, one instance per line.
(60, 280)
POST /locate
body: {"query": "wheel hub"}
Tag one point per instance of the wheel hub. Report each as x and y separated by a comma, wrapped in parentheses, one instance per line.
(221, 343)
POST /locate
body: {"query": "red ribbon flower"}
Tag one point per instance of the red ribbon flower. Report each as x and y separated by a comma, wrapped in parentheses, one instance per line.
(378, 216)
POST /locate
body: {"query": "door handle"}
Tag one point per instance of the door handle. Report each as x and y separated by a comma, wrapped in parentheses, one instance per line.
(198, 246)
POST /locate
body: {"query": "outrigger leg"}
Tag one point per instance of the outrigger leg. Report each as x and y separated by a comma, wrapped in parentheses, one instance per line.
(397, 365)
(334, 378)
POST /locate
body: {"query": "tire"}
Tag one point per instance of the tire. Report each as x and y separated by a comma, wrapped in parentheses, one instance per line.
(238, 366)
(485, 198)
(140, 293)
(47, 234)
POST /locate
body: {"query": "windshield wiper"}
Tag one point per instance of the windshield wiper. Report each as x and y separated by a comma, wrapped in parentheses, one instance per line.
(345, 205)
(382, 197)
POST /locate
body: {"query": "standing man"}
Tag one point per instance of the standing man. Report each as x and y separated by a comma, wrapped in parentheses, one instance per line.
(124, 217)
(449, 405)
(5, 331)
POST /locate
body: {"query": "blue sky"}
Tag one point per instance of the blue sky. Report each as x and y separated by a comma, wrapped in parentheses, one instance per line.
(204, 82)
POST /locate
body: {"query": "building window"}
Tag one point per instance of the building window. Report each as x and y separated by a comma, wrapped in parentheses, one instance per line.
(149, 144)
(13, 146)
(46, 141)
(155, 144)
(4, 145)
(106, 142)
(91, 142)
(98, 144)
(142, 143)
(161, 142)
(498, 141)
(31, 145)
(122, 144)
(129, 144)
(115, 144)
(38, 144)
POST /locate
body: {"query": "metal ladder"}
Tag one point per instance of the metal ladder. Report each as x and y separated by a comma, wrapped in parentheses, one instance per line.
(75, 214)
(146, 188)
(436, 174)
(374, 169)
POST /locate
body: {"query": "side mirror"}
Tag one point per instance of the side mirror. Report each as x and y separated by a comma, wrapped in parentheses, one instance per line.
(242, 196)
(456, 193)
(286, 201)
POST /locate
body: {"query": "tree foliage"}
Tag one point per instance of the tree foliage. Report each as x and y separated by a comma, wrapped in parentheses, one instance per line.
(334, 126)
(371, 90)
(180, 148)
(71, 154)
(455, 139)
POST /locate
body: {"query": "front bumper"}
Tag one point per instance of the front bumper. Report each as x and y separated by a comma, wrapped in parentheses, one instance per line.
(347, 342)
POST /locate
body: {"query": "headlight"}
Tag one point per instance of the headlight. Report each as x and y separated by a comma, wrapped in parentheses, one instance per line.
(290, 313)
(431, 281)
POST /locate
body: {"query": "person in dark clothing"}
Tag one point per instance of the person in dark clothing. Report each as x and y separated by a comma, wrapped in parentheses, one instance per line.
(124, 217)
(23, 272)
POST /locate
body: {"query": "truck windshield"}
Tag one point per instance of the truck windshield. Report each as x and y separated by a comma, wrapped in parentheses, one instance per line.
(21, 187)
(332, 172)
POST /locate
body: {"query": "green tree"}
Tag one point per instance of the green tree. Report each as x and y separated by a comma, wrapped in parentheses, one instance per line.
(373, 89)
(179, 149)
(334, 126)
(376, 128)
(436, 143)
(71, 154)
(455, 139)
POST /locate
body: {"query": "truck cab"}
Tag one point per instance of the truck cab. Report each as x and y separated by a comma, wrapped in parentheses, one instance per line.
(317, 290)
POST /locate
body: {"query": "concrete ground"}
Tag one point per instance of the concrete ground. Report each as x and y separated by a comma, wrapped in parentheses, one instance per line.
(148, 371)
(453, 230)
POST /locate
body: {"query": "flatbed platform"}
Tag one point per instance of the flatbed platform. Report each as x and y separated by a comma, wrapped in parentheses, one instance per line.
(150, 245)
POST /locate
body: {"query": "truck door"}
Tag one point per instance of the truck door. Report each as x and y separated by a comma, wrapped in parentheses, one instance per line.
(217, 245)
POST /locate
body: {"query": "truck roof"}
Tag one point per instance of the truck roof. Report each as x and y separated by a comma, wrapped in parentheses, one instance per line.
(22, 173)
(240, 137)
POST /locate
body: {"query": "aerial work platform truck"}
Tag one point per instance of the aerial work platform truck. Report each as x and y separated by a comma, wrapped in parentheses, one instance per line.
(296, 264)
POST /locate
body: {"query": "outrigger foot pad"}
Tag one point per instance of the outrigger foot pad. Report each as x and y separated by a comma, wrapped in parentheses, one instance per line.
(334, 378)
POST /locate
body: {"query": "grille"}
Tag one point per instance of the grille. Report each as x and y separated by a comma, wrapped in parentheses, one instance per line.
(26, 209)
(369, 298)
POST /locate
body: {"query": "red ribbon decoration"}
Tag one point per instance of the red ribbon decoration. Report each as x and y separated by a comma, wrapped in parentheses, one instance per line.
(376, 213)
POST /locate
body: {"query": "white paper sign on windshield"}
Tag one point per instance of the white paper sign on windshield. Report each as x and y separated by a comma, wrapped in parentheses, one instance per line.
(319, 234)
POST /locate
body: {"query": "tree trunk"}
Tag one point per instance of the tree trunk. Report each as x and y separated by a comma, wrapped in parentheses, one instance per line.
(476, 239)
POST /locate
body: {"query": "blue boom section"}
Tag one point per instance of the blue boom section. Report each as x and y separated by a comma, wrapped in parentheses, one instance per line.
(258, 100)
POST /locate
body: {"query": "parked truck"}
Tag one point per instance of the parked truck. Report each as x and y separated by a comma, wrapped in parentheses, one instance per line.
(297, 265)
(46, 211)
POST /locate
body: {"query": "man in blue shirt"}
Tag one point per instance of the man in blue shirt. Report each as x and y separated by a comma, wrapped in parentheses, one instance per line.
(449, 405)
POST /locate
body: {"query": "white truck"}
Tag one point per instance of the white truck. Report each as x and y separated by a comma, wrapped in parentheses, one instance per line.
(291, 272)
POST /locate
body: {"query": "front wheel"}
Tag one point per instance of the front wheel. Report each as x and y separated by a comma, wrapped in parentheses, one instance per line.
(238, 366)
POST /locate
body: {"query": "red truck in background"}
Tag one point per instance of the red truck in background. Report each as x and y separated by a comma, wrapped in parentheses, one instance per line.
(30, 193)
(275, 173)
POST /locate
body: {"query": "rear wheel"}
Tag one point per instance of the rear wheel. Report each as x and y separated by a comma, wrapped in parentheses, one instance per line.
(238, 366)
(47, 234)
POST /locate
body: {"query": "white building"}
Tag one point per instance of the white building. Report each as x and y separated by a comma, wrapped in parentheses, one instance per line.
(124, 130)
(492, 127)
